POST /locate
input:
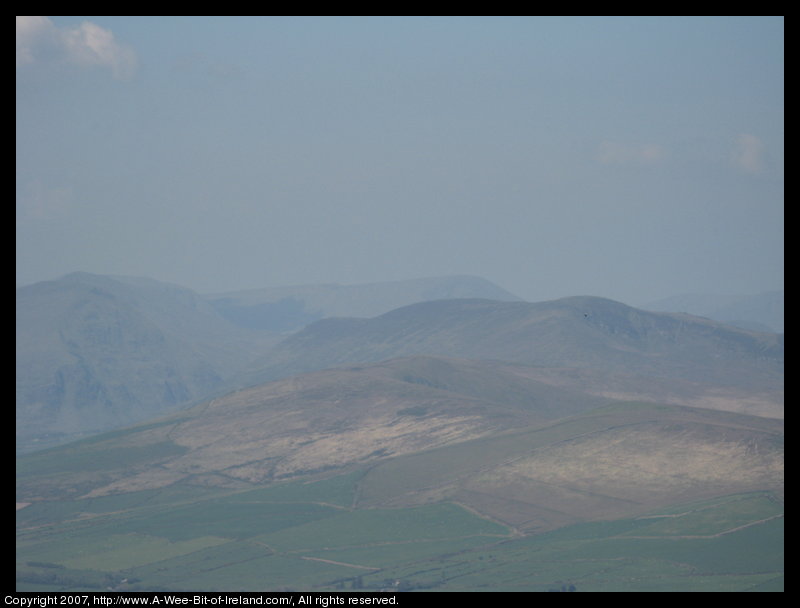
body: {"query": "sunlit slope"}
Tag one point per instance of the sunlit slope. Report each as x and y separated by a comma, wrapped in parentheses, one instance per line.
(309, 423)
(311, 535)
(612, 462)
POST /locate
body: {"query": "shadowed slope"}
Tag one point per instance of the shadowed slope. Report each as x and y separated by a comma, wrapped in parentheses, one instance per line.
(96, 352)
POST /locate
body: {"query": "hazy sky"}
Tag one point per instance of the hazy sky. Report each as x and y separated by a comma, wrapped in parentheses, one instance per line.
(631, 158)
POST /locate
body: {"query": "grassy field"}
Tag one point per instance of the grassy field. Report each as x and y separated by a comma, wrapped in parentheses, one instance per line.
(308, 536)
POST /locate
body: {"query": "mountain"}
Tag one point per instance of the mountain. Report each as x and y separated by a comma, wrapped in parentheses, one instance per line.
(759, 312)
(288, 309)
(97, 352)
(601, 338)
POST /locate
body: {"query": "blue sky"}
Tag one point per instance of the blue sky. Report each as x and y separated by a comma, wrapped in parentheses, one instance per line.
(631, 158)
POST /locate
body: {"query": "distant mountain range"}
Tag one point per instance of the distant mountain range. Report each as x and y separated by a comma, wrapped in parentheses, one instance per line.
(288, 309)
(97, 352)
(582, 333)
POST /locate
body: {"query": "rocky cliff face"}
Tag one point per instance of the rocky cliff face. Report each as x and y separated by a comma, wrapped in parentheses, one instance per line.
(95, 353)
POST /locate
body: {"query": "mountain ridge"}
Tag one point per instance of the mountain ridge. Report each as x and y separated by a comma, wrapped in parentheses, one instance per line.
(761, 312)
(580, 331)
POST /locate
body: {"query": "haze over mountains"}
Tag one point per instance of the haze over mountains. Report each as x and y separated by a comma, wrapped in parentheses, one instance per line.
(534, 416)
(355, 392)
(97, 352)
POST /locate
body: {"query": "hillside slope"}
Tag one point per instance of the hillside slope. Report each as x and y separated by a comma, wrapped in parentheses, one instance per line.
(614, 461)
(326, 420)
(420, 445)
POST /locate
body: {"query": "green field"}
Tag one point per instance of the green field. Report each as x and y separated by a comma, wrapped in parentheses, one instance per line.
(308, 536)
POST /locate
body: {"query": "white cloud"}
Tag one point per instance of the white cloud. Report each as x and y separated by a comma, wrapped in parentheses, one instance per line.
(87, 45)
(34, 36)
(618, 153)
(749, 154)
